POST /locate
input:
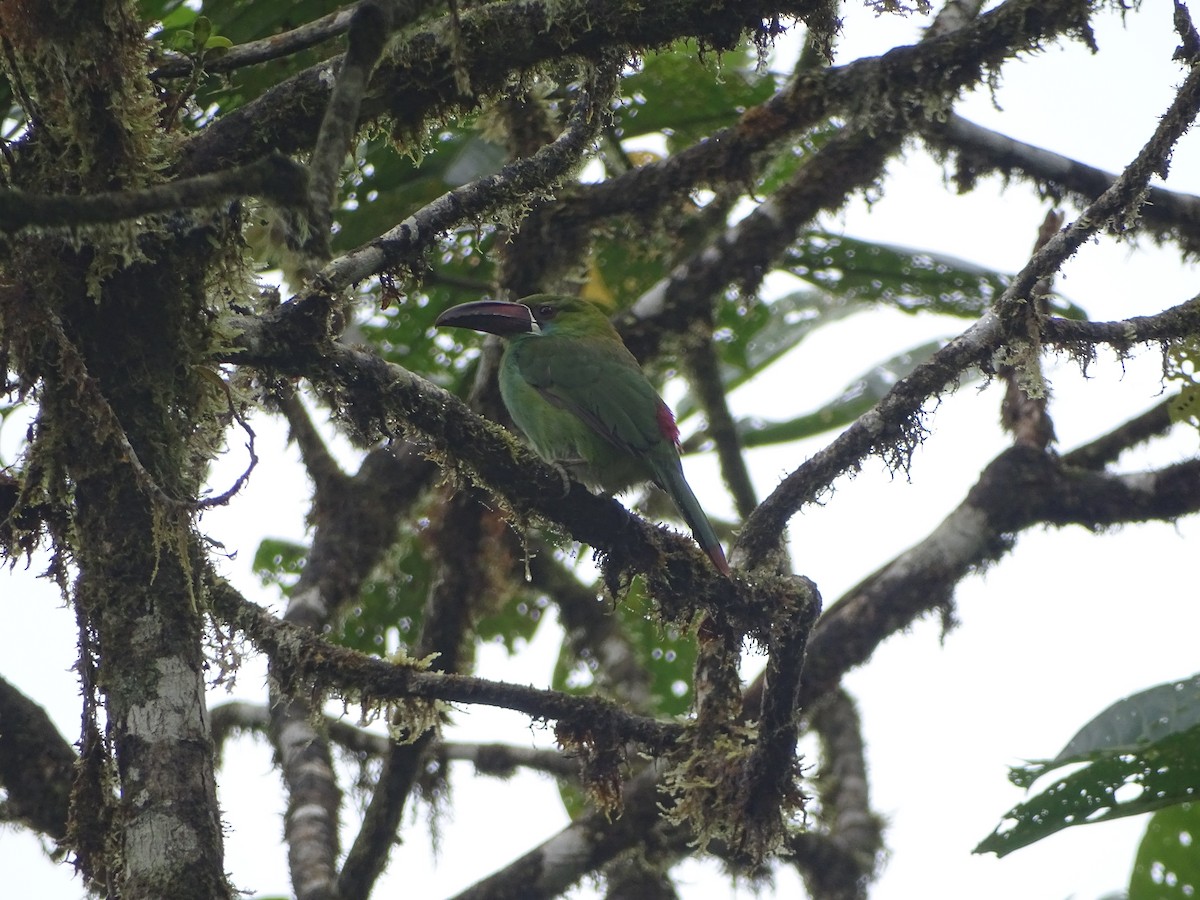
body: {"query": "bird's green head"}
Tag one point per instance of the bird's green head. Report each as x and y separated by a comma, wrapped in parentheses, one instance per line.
(536, 314)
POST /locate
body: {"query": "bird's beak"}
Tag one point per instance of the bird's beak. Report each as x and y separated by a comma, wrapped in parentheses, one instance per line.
(492, 316)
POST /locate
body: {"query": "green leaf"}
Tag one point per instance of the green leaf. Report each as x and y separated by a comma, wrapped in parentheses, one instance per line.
(629, 269)
(1183, 364)
(668, 655)
(856, 399)
(238, 22)
(279, 562)
(751, 336)
(391, 600)
(390, 610)
(243, 21)
(1143, 754)
(1114, 785)
(905, 278)
(202, 29)
(515, 622)
(181, 16)
(181, 39)
(386, 187)
(1137, 720)
(756, 337)
(574, 801)
(1167, 866)
(848, 276)
(1185, 406)
(685, 98)
(404, 334)
(788, 161)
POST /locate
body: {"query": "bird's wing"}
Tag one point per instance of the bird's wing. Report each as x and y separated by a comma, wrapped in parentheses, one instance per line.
(603, 385)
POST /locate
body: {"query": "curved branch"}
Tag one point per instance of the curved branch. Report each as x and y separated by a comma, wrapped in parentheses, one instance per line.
(1107, 448)
(1123, 200)
(277, 46)
(385, 398)
(852, 159)
(501, 760)
(1169, 325)
(274, 177)
(1021, 488)
(37, 765)
(494, 42)
(498, 760)
(369, 30)
(356, 522)
(891, 429)
(981, 151)
(843, 863)
(308, 318)
(747, 251)
(458, 589)
(583, 846)
(405, 243)
(770, 773)
(593, 632)
(328, 478)
(704, 375)
(304, 657)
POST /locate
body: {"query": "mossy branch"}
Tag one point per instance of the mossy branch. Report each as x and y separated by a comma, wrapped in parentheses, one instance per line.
(495, 42)
(979, 151)
(301, 657)
(273, 177)
(277, 46)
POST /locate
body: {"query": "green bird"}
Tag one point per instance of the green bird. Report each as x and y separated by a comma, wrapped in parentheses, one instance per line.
(583, 401)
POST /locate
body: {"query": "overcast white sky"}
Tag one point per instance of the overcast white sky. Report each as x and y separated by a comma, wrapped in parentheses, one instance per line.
(1065, 625)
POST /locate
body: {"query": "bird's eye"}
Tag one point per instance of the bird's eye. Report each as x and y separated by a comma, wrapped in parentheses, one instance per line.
(545, 311)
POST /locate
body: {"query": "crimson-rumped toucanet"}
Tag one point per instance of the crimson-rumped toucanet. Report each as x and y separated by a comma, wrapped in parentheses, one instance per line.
(583, 401)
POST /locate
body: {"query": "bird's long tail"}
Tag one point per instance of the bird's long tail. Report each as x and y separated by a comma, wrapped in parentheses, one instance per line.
(671, 480)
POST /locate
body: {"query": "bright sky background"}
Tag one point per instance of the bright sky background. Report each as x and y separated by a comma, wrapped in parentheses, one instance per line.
(1065, 625)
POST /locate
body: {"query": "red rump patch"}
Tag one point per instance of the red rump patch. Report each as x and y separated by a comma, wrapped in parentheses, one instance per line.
(666, 424)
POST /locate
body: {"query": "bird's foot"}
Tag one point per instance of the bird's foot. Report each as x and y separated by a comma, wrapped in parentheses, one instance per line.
(565, 474)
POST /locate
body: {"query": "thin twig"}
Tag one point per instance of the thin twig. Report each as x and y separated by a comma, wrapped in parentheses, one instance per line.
(276, 46)
(704, 374)
(240, 482)
(1097, 454)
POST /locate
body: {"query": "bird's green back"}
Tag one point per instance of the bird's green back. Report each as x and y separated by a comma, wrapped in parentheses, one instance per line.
(580, 396)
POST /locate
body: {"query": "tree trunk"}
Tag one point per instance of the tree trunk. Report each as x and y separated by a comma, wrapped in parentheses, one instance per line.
(114, 323)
